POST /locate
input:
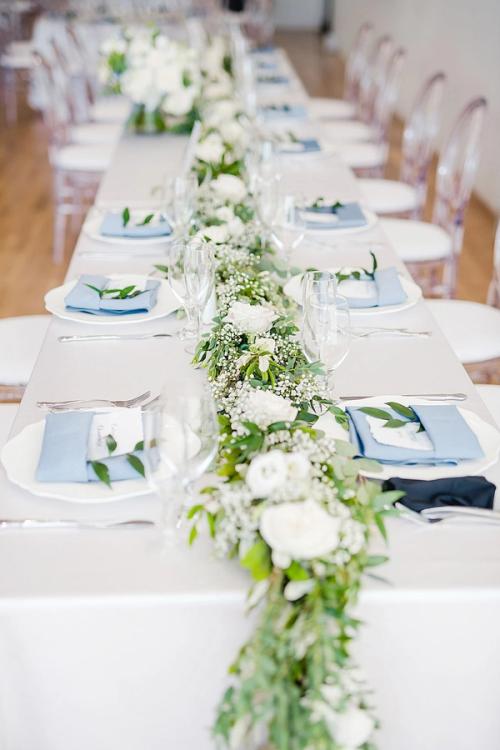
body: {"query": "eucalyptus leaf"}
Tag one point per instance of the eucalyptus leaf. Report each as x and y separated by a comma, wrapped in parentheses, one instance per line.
(101, 472)
(125, 216)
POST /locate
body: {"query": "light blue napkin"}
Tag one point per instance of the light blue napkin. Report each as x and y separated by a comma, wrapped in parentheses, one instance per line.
(308, 145)
(112, 226)
(280, 111)
(451, 436)
(349, 215)
(267, 65)
(263, 49)
(63, 457)
(84, 299)
(273, 79)
(387, 290)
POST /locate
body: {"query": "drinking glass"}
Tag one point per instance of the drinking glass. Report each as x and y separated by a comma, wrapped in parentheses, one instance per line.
(180, 442)
(326, 330)
(288, 227)
(267, 199)
(181, 201)
(191, 275)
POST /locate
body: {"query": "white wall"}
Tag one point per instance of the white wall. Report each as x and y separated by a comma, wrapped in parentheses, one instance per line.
(298, 14)
(460, 37)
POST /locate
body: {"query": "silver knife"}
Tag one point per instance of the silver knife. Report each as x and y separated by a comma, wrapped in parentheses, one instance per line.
(427, 396)
(114, 337)
(31, 523)
(461, 511)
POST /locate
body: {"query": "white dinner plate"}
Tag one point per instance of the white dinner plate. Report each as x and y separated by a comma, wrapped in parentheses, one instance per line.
(488, 436)
(293, 289)
(20, 458)
(166, 303)
(92, 228)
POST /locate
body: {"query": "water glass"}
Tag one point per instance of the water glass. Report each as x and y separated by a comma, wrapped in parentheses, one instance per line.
(326, 330)
(180, 443)
(288, 227)
(181, 201)
(191, 276)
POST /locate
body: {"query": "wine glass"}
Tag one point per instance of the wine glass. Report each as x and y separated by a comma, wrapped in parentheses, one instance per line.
(180, 443)
(267, 199)
(326, 330)
(191, 276)
(181, 200)
(288, 227)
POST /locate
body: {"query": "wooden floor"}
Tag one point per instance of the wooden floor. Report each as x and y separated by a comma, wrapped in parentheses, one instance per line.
(26, 268)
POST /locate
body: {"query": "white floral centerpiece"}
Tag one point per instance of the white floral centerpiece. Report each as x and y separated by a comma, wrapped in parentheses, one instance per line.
(159, 75)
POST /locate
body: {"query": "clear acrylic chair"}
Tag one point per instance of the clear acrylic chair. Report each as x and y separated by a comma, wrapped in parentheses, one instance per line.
(432, 250)
(327, 109)
(366, 149)
(76, 168)
(407, 196)
(374, 78)
(473, 329)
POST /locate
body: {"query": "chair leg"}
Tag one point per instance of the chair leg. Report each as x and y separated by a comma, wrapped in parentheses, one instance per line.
(59, 234)
(10, 96)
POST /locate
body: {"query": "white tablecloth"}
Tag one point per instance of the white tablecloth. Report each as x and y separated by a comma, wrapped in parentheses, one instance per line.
(106, 644)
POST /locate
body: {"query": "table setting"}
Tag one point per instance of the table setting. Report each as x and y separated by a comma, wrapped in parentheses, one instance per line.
(264, 450)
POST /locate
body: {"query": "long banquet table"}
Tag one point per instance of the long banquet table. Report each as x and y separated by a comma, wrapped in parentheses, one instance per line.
(106, 643)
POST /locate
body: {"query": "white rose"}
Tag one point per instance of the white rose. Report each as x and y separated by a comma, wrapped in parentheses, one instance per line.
(218, 90)
(265, 344)
(298, 466)
(232, 132)
(220, 112)
(225, 213)
(351, 728)
(266, 473)
(211, 149)
(229, 187)
(216, 233)
(265, 408)
(303, 530)
(248, 318)
(180, 102)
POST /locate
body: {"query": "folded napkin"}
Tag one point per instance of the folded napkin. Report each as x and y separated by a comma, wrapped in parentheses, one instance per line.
(301, 146)
(344, 217)
(474, 492)
(450, 436)
(283, 110)
(63, 457)
(386, 289)
(84, 299)
(112, 226)
(264, 48)
(273, 79)
(267, 65)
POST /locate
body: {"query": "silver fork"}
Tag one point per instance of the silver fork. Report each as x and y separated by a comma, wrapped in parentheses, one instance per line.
(361, 333)
(92, 403)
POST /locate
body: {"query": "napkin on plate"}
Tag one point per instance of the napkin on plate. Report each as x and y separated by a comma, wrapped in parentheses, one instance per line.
(447, 439)
(65, 448)
(283, 110)
(384, 290)
(263, 49)
(273, 79)
(347, 216)
(301, 146)
(474, 492)
(82, 298)
(112, 226)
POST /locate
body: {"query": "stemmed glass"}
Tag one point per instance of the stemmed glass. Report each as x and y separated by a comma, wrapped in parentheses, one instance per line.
(180, 442)
(267, 199)
(191, 276)
(326, 332)
(181, 200)
(288, 227)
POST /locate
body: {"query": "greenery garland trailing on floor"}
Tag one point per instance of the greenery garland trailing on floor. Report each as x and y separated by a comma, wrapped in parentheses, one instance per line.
(290, 503)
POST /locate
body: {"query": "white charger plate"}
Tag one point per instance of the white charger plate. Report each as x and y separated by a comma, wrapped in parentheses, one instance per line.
(487, 434)
(92, 228)
(293, 289)
(20, 458)
(166, 304)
